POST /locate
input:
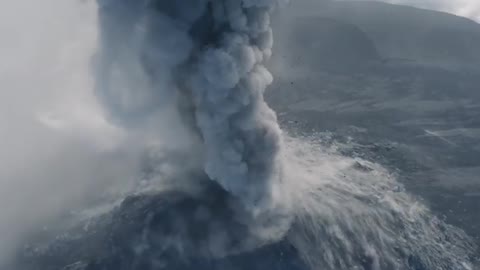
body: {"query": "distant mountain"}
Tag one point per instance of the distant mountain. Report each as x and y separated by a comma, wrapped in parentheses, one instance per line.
(332, 44)
(401, 32)
(399, 81)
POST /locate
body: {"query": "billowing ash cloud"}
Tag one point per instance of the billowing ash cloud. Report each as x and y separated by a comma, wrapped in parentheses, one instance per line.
(205, 57)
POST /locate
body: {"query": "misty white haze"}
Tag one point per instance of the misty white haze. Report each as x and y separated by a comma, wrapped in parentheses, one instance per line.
(61, 150)
(57, 146)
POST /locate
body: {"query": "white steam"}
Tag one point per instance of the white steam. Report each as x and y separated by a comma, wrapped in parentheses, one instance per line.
(352, 214)
(57, 149)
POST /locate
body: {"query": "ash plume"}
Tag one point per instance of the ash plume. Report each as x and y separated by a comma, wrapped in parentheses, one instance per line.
(205, 59)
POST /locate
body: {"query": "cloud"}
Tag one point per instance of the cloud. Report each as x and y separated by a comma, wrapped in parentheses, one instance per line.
(57, 148)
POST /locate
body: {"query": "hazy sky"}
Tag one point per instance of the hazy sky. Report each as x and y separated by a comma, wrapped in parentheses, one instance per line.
(466, 8)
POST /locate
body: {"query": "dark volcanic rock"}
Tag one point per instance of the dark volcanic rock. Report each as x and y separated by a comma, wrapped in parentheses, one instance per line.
(168, 230)
(422, 97)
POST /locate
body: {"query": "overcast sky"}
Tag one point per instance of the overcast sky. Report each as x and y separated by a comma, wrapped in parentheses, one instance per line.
(466, 8)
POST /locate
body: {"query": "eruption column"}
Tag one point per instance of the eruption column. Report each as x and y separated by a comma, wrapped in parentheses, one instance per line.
(206, 56)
